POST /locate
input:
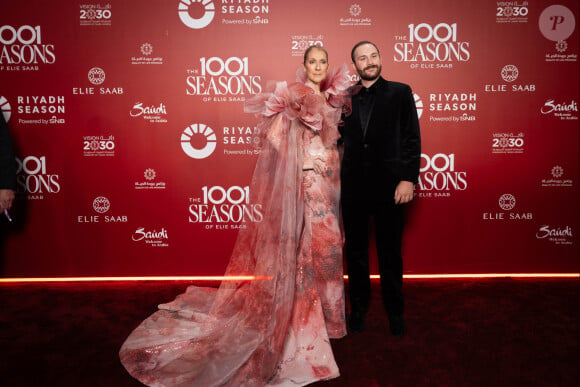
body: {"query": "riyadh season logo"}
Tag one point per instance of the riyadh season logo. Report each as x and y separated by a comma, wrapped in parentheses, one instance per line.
(146, 58)
(34, 179)
(99, 146)
(418, 105)
(509, 73)
(355, 17)
(22, 48)
(95, 15)
(299, 43)
(198, 14)
(452, 107)
(101, 205)
(557, 23)
(198, 141)
(512, 12)
(97, 77)
(556, 235)
(562, 110)
(152, 238)
(222, 208)
(557, 178)
(220, 80)
(151, 181)
(155, 114)
(40, 109)
(507, 202)
(240, 140)
(255, 13)
(431, 47)
(438, 176)
(507, 143)
(205, 8)
(5, 108)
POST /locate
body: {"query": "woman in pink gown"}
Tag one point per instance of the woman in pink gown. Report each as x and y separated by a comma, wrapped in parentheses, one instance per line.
(273, 330)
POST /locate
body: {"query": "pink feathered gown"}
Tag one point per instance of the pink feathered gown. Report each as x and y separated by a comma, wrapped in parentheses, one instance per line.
(273, 330)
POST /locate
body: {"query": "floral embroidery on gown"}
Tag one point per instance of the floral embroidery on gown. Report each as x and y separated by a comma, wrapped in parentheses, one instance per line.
(273, 330)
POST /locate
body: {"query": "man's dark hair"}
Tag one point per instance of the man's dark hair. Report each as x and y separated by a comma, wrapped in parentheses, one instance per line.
(360, 44)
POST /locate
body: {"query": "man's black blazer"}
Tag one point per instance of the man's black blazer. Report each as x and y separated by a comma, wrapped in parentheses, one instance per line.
(388, 151)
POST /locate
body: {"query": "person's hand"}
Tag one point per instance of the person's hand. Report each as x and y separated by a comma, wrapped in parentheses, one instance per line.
(404, 192)
(316, 164)
(6, 199)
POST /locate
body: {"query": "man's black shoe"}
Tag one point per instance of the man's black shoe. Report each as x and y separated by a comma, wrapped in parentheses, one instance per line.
(356, 322)
(397, 326)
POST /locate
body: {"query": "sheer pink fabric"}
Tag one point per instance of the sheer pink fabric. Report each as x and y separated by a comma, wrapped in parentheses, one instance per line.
(273, 330)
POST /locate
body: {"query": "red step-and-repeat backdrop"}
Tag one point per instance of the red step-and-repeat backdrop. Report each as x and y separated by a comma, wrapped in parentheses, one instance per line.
(134, 153)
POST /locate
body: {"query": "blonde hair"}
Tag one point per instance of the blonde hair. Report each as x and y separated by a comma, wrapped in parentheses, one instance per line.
(314, 47)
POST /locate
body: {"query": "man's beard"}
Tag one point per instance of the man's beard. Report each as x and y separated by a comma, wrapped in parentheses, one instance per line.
(362, 75)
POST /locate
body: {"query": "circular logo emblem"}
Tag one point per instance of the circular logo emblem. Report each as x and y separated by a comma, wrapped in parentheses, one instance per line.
(355, 10)
(561, 46)
(94, 145)
(509, 73)
(507, 202)
(418, 104)
(204, 20)
(96, 76)
(101, 204)
(149, 174)
(557, 171)
(5, 108)
(198, 129)
(557, 23)
(146, 49)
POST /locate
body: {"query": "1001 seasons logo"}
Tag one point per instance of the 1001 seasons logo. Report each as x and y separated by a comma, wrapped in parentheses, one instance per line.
(221, 80)
(429, 47)
(22, 48)
(222, 208)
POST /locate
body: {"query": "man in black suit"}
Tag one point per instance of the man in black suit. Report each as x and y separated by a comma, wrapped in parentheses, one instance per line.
(382, 153)
(7, 168)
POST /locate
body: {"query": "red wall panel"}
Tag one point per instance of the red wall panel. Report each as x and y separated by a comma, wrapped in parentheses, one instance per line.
(99, 97)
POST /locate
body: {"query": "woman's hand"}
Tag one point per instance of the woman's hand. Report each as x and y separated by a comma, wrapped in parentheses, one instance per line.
(316, 164)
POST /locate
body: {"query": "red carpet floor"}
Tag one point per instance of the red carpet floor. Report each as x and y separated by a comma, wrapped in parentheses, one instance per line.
(499, 332)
